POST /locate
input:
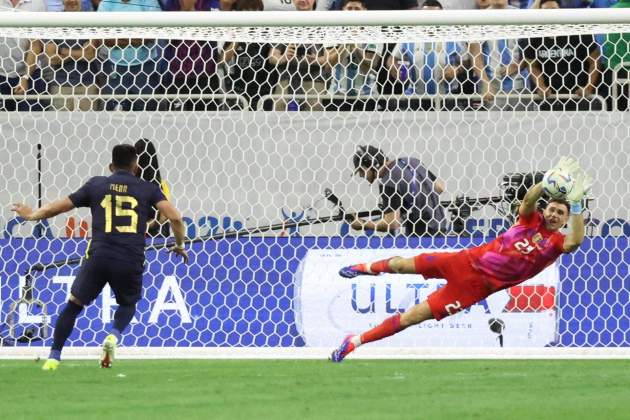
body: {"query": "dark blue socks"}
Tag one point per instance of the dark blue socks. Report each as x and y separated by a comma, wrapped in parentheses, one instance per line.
(63, 328)
(122, 318)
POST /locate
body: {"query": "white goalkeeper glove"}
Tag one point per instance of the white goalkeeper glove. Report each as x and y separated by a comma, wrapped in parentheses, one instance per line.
(581, 185)
(568, 165)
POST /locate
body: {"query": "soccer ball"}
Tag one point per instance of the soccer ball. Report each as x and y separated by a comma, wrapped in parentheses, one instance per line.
(557, 184)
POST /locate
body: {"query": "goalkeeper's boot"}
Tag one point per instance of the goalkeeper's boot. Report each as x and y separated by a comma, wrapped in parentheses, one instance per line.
(352, 271)
(109, 351)
(51, 364)
(340, 353)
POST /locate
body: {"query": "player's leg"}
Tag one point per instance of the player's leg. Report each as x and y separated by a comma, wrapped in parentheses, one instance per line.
(390, 326)
(464, 287)
(63, 328)
(429, 265)
(85, 288)
(398, 265)
(126, 282)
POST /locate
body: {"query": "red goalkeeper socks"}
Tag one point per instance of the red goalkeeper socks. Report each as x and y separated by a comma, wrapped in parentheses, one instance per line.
(381, 266)
(388, 327)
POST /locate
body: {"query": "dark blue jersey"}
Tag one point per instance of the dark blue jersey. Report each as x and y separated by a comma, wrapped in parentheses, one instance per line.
(120, 204)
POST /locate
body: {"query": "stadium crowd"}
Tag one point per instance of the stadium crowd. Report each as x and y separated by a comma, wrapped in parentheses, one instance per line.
(564, 72)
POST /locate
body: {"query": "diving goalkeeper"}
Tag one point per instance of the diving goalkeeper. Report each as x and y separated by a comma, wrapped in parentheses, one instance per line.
(529, 246)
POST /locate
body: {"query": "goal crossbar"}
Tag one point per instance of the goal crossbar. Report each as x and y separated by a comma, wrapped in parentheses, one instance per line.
(317, 18)
(328, 27)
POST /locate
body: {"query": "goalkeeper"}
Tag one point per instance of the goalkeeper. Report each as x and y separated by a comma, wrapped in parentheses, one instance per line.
(529, 246)
(120, 205)
(409, 193)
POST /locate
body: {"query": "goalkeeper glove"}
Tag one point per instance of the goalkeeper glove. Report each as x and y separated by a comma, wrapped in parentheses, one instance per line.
(568, 165)
(581, 185)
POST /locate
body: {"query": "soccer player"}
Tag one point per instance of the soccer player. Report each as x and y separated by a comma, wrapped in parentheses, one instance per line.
(120, 205)
(149, 170)
(409, 193)
(529, 246)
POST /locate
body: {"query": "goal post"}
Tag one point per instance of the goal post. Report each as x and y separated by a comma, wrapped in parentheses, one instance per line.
(253, 121)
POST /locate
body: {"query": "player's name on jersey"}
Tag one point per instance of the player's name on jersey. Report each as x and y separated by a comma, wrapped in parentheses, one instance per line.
(120, 188)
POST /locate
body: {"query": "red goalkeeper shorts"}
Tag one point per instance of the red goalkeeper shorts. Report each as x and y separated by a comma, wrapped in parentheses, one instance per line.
(464, 287)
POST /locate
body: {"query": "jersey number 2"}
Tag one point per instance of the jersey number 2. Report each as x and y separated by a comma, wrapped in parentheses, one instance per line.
(118, 211)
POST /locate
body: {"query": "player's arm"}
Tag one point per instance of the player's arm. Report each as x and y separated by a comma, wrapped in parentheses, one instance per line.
(177, 224)
(49, 210)
(388, 223)
(528, 205)
(581, 185)
(439, 186)
(575, 237)
(391, 202)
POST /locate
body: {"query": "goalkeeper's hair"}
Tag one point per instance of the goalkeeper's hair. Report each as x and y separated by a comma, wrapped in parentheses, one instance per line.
(124, 156)
(561, 201)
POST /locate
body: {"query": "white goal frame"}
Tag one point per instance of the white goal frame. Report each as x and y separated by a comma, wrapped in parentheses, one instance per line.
(226, 26)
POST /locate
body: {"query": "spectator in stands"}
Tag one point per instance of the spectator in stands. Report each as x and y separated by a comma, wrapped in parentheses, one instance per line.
(573, 4)
(191, 64)
(247, 69)
(66, 66)
(54, 5)
(355, 68)
(459, 4)
(287, 6)
(426, 67)
(391, 4)
(617, 52)
(303, 69)
(18, 56)
(189, 5)
(563, 65)
(385, 85)
(497, 64)
(131, 64)
(60, 6)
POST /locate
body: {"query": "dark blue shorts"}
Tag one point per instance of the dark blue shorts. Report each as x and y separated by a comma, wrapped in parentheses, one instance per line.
(125, 279)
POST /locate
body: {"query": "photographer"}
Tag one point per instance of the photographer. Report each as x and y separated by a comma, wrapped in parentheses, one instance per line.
(409, 193)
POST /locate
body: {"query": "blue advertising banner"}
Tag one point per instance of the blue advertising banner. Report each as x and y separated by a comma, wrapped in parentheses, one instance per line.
(242, 292)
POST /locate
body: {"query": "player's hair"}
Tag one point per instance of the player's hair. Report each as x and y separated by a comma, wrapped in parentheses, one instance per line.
(148, 161)
(432, 3)
(561, 201)
(368, 157)
(547, 1)
(344, 2)
(124, 156)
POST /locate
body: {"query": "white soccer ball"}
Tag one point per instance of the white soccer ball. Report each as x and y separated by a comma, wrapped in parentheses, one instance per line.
(557, 184)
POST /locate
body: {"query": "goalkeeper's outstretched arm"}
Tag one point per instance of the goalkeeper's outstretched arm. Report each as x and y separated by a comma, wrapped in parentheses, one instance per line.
(528, 205)
(581, 186)
(575, 237)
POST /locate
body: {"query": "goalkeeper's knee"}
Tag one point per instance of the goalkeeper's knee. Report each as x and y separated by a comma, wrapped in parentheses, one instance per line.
(402, 265)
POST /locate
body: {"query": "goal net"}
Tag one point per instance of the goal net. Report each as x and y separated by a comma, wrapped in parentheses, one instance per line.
(252, 122)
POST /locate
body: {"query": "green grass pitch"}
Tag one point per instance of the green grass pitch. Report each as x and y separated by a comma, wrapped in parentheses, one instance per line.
(312, 389)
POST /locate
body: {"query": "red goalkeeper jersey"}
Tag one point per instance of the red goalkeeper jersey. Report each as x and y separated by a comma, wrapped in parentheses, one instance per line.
(520, 253)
